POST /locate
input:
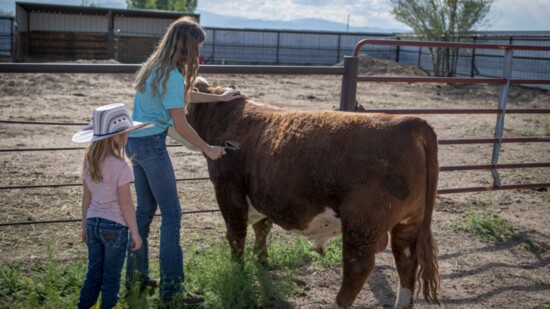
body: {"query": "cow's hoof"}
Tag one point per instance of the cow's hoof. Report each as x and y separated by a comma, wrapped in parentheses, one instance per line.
(320, 251)
(335, 305)
(262, 260)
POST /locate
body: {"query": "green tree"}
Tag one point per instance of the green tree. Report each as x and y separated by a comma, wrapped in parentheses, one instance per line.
(6, 13)
(187, 6)
(442, 20)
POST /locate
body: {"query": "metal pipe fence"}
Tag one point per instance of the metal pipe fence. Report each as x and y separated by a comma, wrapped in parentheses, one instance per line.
(474, 62)
(349, 89)
(282, 47)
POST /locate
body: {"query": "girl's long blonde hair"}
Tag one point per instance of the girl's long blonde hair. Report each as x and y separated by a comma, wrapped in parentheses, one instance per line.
(96, 152)
(178, 48)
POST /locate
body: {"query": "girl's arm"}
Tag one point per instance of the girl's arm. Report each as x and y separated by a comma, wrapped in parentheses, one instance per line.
(188, 133)
(129, 214)
(201, 97)
(86, 200)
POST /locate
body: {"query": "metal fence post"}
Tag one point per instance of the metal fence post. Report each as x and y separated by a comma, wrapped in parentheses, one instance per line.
(338, 50)
(397, 51)
(473, 60)
(348, 92)
(110, 36)
(213, 46)
(499, 128)
(14, 49)
(419, 56)
(278, 46)
(28, 49)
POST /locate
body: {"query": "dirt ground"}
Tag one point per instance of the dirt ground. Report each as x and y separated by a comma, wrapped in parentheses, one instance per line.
(475, 273)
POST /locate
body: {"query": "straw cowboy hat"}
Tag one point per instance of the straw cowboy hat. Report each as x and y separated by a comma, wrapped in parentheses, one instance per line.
(109, 120)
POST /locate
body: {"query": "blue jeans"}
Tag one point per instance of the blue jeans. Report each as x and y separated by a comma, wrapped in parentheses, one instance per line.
(107, 242)
(155, 184)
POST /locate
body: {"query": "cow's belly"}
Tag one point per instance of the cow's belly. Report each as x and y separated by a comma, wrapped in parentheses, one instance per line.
(254, 216)
(320, 229)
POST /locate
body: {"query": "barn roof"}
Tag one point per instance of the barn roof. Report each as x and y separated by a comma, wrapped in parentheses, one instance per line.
(87, 10)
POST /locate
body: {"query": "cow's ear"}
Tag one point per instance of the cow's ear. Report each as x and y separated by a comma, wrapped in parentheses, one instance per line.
(201, 84)
(202, 88)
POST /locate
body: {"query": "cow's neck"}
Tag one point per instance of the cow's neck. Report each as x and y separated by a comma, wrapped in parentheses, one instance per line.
(212, 120)
(197, 117)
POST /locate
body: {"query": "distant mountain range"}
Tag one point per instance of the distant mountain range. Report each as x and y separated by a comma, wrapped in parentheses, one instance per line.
(311, 24)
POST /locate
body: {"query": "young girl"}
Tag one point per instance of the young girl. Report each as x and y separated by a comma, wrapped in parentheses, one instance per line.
(107, 206)
(164, 84)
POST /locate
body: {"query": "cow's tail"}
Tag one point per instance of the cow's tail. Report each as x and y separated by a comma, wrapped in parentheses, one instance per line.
(426, 249)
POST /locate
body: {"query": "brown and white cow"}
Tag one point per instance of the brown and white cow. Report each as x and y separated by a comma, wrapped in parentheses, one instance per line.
(321, 174)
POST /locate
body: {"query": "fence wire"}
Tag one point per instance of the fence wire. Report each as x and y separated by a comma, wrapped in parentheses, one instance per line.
(80, 219)
(256, 70)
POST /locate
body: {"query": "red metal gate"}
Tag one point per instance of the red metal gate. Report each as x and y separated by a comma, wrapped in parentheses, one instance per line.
(349, 91)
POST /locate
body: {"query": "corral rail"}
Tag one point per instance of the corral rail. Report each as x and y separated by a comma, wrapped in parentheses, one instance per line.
(348, 102)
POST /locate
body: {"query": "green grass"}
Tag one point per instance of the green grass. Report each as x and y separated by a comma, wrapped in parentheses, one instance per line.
(526, 132)
(543, 122)
(480, 128)
(485, 225)
(541, 303)
(297, 253)
(47, 285)
(210, 271)
(229, 284)
(530, 245)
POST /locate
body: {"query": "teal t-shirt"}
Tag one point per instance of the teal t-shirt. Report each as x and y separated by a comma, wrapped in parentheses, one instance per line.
(156, 109)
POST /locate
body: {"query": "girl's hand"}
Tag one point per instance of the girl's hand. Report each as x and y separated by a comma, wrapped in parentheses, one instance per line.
(230, 94)
(214, 152)
(83, 235)
(136, 242)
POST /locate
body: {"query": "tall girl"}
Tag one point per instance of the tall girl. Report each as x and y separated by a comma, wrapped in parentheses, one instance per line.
(163, 86)
(107, 207)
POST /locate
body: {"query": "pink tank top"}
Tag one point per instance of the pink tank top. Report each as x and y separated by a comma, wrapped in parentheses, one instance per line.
(105, 204)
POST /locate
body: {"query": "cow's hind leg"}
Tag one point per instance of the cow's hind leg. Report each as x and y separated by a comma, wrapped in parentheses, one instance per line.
(403, 243)
(261, 230)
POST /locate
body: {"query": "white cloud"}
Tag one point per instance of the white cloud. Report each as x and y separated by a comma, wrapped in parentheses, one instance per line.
(373, 13)
(521, 16)
(505, 15)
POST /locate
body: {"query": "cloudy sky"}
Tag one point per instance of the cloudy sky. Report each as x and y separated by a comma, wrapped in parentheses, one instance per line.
(505, 15)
